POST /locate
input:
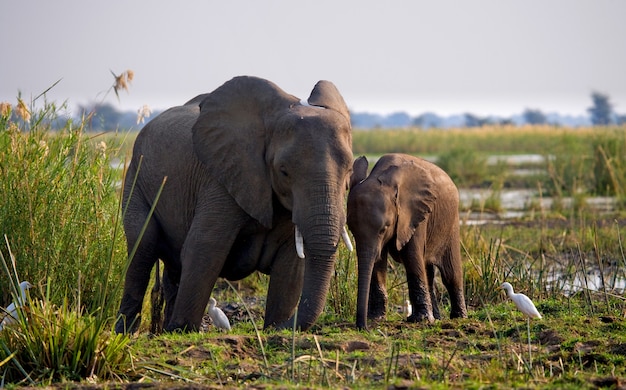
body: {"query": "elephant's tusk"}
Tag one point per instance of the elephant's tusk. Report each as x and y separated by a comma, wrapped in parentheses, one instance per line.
(346, 239)
(299, 243)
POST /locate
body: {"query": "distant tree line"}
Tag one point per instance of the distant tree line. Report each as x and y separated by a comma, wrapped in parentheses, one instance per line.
(107, 117)
(601, 113)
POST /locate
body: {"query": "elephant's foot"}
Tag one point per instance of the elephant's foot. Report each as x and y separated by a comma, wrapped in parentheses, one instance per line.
(377, 309)
(458, 313)
(376, 316)
(436, 313)
(362, 324)
(181, 328)
(420, 317)
(126, 325)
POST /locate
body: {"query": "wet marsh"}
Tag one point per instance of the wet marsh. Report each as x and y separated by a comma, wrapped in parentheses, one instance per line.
(551, 224)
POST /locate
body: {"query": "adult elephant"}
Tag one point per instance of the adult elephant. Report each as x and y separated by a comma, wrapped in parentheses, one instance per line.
(407, 208)
(250, 170)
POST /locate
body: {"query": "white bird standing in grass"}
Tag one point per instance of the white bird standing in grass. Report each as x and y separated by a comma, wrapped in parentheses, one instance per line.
(11, 310)
(408, 309)
(526, 306)
(523, 303)
(217, 316)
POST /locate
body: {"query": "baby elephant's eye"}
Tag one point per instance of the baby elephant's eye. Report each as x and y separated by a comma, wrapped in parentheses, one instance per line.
(283, 171)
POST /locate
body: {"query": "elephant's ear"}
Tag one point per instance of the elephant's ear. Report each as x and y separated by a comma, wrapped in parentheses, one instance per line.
(416, 199)
(326, 95)
(197, 100)
(229, 137)
(359, 171)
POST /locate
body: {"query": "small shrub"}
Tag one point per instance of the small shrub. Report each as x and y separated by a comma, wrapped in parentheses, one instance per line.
(465, 167)
(50, 343)
(608, 164)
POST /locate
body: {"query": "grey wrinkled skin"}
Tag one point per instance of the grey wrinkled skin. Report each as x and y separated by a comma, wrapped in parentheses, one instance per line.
(244, 164)
(406, 208)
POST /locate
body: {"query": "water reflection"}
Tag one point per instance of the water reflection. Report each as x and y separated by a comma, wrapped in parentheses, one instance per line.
(515, 203)
(612, 281)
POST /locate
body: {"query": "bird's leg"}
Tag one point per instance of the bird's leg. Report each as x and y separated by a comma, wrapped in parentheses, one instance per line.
(530, 356)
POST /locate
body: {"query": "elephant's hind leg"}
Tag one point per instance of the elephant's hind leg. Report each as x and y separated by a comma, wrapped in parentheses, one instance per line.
(137, 275)
(451, 270)
(430, 272)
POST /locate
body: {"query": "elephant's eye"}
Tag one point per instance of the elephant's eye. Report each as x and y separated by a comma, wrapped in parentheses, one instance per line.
(283, 171)
(382, 230)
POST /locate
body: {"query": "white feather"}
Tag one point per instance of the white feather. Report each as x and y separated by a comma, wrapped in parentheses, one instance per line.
(523, 303)
(11, 310)
(217, 315)
(408, 309)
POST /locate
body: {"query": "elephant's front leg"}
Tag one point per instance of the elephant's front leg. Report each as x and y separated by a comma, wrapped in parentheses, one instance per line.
(452, 277)
(202, 258)
(377, 301)
(286, 280)
(417, 280)
(138, 272)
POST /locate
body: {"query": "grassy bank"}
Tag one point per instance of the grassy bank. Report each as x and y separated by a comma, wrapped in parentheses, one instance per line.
(60, 224)
(577, 161)
(568, 349)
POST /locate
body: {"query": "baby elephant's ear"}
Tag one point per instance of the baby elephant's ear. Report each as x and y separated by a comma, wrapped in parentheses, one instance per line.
(359, 171)
(416, 199)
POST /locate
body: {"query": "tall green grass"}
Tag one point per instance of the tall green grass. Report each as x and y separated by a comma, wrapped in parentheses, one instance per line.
(60, 208)
(60, 222)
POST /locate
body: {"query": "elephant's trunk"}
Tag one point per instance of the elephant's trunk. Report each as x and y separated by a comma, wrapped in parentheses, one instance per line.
(321, 227)
(366, 267)
(315, 289)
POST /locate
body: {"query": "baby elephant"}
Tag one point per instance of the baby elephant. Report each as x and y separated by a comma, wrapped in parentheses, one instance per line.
(407, 208)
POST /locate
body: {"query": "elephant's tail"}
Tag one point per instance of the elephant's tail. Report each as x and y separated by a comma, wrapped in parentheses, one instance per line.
(156, 300)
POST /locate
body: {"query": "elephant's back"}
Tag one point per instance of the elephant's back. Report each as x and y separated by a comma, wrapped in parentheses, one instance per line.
(164, 145)
(447, 190)
(171, 130)
(163, 149)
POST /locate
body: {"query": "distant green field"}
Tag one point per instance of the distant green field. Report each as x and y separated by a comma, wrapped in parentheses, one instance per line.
(483, 140)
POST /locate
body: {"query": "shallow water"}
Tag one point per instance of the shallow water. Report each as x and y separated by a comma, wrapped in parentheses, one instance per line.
(514, 204)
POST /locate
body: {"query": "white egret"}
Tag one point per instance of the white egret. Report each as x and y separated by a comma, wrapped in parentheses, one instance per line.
(408, 309)
(523, 303)
(526, 306)
(11, 310)
(217, 316)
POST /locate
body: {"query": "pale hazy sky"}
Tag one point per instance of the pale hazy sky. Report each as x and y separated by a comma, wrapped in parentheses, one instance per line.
(479, 56)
